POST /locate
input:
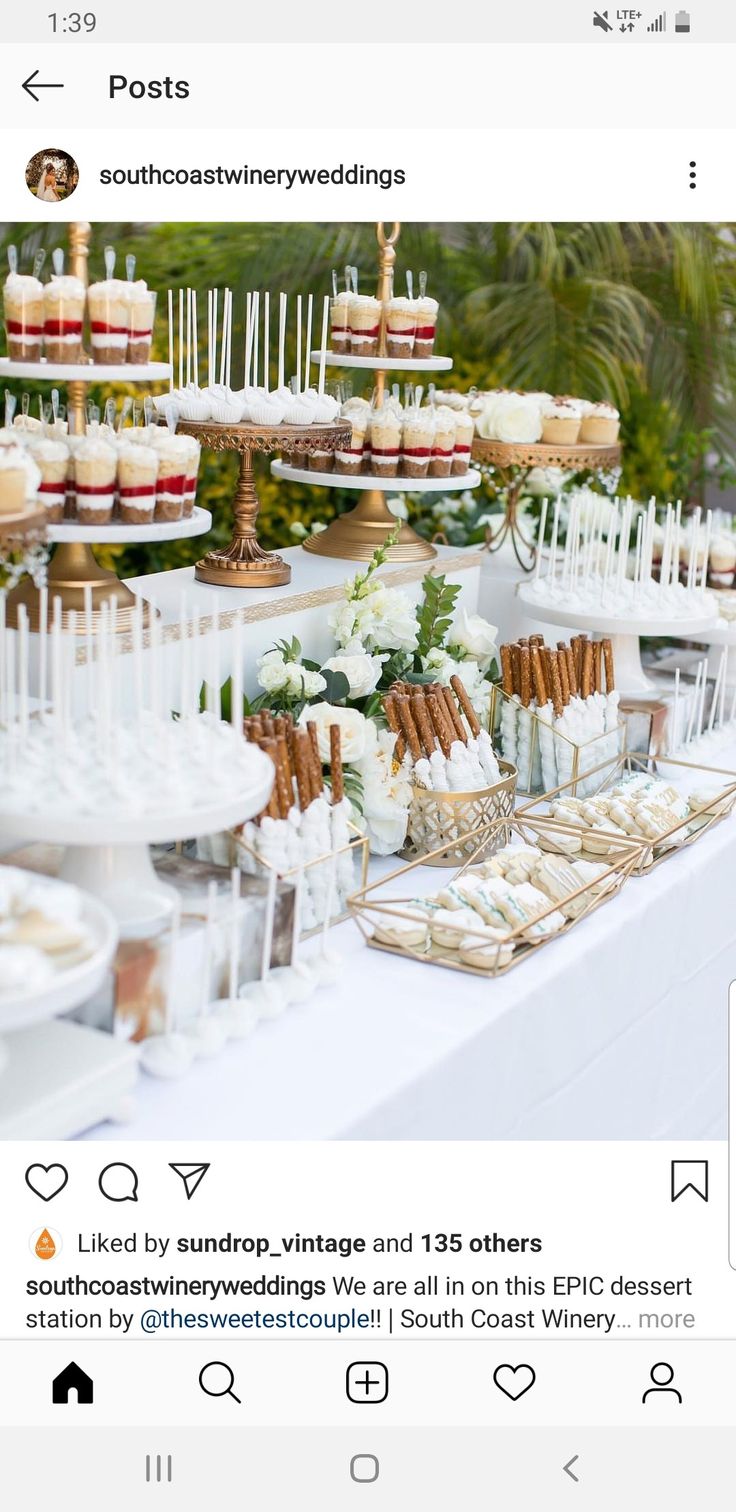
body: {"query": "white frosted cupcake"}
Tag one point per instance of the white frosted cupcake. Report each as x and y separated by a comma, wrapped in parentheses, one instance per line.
(137, 479)
(561, 423)
(600, 425)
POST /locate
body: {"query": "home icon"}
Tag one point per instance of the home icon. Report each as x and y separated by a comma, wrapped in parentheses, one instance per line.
(72, 1379)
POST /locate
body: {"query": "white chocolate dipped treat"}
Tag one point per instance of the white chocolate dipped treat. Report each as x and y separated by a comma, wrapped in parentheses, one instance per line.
(23, 306)
(63, 318)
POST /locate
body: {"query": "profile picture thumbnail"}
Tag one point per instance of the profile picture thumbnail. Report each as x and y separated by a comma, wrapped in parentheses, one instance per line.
(52, 175)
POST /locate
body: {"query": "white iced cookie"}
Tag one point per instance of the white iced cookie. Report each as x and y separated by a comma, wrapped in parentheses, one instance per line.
(448, 925)
(485, 956)
(593, 873)
(560, 842)
(409, 933)
(557, 878)
(535, 902)
(600, 843)
(709, 798)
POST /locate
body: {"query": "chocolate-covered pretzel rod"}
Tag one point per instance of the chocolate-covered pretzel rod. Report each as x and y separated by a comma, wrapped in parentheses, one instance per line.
(556, 683)
(465, 704)
(394, 724)
(564, 679)
(507, 670)
(572, 677)
(597, 667)
(540, 686)
(608, 663)
(453, 713)
(438, 720)
(409, 728)
(422, 721)
(525, 676)
(587, 675)
(272, 808)
(303, 763)
(284, 776)
(316, 763)
(338, 786)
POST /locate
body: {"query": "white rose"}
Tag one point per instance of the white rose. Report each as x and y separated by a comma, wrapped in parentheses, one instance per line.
(442, 665)
(302, 683)
(342, 622)
(362, 671)
(511, 417)
(544, 482)
(352, 729)
(474, 635)
(386, 794)
(272, 672)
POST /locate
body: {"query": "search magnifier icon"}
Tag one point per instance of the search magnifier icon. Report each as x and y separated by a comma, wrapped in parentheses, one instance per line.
(217, 1380)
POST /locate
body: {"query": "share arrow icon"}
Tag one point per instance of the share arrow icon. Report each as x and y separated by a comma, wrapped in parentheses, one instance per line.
(191, 1175)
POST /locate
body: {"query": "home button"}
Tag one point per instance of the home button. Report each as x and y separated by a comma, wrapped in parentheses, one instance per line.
(73, 1381)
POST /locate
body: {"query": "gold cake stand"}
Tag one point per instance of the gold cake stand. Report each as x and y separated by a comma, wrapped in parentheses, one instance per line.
(244, 563)
(356, 535)
(514, 462)
(74, 568)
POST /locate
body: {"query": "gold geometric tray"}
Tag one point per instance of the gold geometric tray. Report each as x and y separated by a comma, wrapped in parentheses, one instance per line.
(373, 904)
(538, 454)
(671, 841)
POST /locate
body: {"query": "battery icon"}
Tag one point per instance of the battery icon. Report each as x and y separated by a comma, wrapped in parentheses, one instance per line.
(682, 21)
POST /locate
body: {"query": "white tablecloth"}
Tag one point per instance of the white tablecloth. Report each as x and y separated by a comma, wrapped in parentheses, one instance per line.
(617, 1031)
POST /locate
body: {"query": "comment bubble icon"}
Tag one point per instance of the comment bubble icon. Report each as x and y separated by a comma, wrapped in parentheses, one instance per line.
(118, 1182)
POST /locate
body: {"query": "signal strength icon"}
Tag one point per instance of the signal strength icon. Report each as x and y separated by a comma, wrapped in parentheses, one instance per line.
(660, 25)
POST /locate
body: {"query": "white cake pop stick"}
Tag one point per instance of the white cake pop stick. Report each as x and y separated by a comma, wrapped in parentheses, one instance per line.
(229, 336)
(694, 705)
(282, 340)
(189, 337)
(540, 541)
(298, 343)
(308, 350)
(23, 671)
(181, 338)
(676, 713)
(215, 301)
(171, 339)
(706, 550)
(210, 362)
(170, 1054)
(552, 573)
(267, 341)
(323, 343)
(43, 645)
(265, 995)
(195, 340)
(238, 1016)
(256, 309)
(236, 676)
(296, 981)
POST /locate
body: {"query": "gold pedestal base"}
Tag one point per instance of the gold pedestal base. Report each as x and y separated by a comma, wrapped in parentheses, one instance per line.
(355, 536)
(243, 565)
(72, 570)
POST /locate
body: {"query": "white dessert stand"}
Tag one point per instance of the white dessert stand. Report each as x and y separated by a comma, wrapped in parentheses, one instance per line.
(456, 484)
(109, 856)
(631, 679)
(58, 1078)
(387, 364)
(119, 534)
(86, 372)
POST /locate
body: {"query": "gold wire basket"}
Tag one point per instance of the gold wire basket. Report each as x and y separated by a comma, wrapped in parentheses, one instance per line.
(244, 855)
(440, 824)
(686, 774)
(551, 753)
(374, 907)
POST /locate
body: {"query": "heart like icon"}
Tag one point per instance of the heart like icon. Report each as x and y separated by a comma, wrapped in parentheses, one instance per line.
(514, 1380)
(47, 1181)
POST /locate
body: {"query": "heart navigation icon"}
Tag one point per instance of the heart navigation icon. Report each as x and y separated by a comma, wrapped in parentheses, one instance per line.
(514, 1380)
(47, 1181)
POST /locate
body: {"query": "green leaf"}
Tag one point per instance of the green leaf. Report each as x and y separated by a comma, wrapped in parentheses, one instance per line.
(435, 613)
(337, 688)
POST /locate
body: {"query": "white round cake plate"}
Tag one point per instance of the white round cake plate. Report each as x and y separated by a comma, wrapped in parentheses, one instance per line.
(118, 534)
(364, 481)
(386, 364)
(71, 987)
(631, 679)
(109, 856)
(86, 372)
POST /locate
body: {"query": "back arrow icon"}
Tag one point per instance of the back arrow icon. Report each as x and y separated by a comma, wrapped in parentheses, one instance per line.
(570, 1472)
(32, 83)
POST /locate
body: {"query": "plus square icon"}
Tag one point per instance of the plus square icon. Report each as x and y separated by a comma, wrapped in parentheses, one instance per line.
(366, 1381)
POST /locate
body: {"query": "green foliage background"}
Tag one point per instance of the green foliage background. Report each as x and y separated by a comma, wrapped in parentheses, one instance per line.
(641, 314)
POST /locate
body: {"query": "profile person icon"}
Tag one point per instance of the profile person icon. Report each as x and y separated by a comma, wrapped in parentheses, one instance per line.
(662, 1375)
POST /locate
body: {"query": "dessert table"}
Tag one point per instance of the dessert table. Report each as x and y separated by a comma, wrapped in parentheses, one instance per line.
(618, 1031)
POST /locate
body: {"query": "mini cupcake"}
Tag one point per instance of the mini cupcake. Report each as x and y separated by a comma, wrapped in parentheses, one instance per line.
(63, 318)
(109, 320)
(464, 432)
(443, 445)
(401, 324)
(52, 459)
(340, 323)
(142, 309)
(95, 468)
(385, 442)
(137, 479)
(174, 455)
(365, 325)
(19, 479)
(23, 304)
(427, 311)
(417, 440)
(560, 423)
(600, 425)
